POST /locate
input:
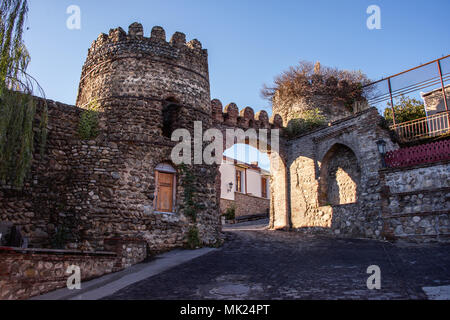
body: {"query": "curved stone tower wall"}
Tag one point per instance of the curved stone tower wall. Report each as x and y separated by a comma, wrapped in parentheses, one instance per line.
(130, 76)
(288, 109)
(133, 79)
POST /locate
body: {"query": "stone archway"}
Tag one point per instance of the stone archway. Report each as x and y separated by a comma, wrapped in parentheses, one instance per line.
(230, 118)
(340, 176)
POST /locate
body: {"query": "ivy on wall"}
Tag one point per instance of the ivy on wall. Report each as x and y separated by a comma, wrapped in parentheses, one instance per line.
(189, 181)
(88, 125)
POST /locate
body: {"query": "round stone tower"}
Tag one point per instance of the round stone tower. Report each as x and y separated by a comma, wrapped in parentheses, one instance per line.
(145, 88)
(133, 79)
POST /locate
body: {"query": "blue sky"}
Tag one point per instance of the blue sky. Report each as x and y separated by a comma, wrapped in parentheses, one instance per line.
(249, 41)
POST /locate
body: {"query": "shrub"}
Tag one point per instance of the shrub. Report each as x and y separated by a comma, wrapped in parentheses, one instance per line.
(307, 80)
(193, 239)
(230, 213)
(305, 122)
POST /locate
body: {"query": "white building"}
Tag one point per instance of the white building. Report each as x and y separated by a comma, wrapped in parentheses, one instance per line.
(245, 186)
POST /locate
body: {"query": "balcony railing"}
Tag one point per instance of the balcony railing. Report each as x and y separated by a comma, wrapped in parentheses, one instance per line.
(429, 127)
(421, 154)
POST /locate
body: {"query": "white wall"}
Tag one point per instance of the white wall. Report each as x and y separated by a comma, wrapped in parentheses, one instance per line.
(227, 175)
(254, 182)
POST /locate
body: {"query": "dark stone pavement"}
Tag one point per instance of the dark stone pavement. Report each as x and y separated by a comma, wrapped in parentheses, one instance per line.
(262, 264)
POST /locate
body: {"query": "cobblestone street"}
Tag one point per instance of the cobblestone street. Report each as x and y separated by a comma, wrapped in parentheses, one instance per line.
(256, 263)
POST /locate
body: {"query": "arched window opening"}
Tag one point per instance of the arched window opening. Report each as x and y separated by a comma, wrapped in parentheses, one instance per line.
(340, 176)
(171, 119)
(165, 192)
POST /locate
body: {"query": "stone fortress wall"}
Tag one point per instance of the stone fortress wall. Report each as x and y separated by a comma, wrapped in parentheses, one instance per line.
(416, 202)
(326, 180)
(98, 195)
(104, 188)
(335, 183)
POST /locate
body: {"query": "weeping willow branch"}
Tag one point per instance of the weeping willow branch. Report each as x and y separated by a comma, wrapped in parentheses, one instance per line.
(17, 104)
(16, 136)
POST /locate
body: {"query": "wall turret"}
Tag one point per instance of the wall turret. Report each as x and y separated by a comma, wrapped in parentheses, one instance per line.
(133, 78)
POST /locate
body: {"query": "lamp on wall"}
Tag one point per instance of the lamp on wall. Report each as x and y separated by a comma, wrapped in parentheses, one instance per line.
(381, 144)
(230, 186)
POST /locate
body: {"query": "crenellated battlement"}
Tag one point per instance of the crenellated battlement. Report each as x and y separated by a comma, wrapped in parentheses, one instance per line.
(129, 64)
(136, 33)
(119, 42)
(246, 118)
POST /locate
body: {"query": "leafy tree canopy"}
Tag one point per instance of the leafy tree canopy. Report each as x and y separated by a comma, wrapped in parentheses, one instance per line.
(406, 109)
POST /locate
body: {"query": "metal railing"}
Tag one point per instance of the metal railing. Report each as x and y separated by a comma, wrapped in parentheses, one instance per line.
(421, 154)
(428, 127)
(426, 86)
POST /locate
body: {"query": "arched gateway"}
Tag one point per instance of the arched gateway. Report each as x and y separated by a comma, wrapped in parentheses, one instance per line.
(123, 184)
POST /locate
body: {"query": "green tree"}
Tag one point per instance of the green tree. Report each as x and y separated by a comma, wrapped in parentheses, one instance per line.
(304, 122)
(406, 109)
(17, 106)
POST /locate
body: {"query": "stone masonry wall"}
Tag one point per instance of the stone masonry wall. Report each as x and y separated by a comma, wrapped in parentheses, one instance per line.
(129, 251)
(340, 177)
(105, 188)
(307, 162)
(246, 205)
(134, 78)
(23, 275)
(289, 110)
(416, 202)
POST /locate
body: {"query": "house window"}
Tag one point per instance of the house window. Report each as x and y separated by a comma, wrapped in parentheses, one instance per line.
(264, 187)
(165, 197)
(238, 181)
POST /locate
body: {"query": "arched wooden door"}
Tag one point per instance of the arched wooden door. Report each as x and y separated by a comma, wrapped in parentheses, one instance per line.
(165, 191)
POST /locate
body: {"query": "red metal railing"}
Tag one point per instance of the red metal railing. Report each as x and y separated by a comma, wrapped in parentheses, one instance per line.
(423, 128)
(426, 153)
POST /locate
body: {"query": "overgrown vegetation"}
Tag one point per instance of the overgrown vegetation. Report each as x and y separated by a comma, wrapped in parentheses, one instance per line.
(230, 213)
(307, 80)
(193, 238)
(17, 106)
(188, 182)
(406, 109)
(88, 125)
(304, 122)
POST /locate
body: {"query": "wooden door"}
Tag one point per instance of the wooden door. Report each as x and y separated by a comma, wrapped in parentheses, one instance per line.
(165, 192)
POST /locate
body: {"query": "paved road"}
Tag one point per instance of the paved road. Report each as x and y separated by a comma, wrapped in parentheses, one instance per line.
(256, 263)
